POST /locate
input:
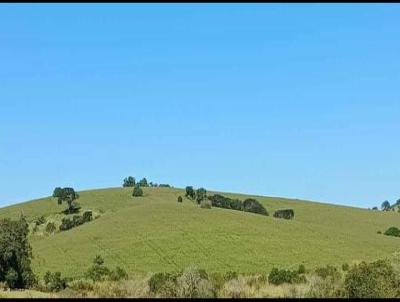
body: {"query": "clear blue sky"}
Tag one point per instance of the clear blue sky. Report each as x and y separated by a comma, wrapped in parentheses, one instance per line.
(284, 100)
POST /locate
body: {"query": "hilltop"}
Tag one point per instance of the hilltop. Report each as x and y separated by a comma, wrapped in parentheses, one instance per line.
(156, 233)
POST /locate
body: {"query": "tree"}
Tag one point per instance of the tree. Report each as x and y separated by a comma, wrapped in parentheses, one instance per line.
(137, 191)
(57, 192)
(201, 194)
(68, 195)
(15, 254)
(190, 193)
(143, 182)
(375, 208)
(97, 271)
(385, 206)
(180, 199)
(129, 182)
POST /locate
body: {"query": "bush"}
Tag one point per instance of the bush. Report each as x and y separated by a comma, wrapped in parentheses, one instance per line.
(97, 272)
(392, 231)
(50, 227)
(137, 192)
(180, 199)
(328, 271)
(54, 282)
(66, 224)
(11, 278)
(164, 186)
(194, 283)
(345, 267)
(190, 193)
(301, 269)
(372, 280)
(201, 194)
(118, 274)
(87, 216)
(285, 214)
(277, 277)
(252, 205)
(162, 282)
(41, 220)
(205, 204)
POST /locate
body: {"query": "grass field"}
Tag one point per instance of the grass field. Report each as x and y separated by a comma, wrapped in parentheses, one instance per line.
(156, 233)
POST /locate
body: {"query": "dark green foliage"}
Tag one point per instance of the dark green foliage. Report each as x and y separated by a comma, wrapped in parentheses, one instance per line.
(97, 271)
(68, 223)
(137, 191)
(279, 276)
(54, 282)
(285, 214)
(118, 274)
(379, 232)
(236, 204)
(252, 205)
(50, 227)
(164, 186)
(15, 254)
(129, 182)
(230, 275)
(345, 267)
(143, 182)
(392, 231)
(41, 220)
(301, 269)
(190, 193)
(372, 280)
(158, 281)
(328, 271)
(87, 216)
(201, 194)
(375, 208)
(69, 196)
(385, 206)
(57, 192)
(180, 199)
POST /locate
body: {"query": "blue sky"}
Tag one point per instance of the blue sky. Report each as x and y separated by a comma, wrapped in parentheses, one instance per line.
(292, 100)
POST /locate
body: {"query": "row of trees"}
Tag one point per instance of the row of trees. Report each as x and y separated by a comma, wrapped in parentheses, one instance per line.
(130, 181)
(196, 195)
(386, 206)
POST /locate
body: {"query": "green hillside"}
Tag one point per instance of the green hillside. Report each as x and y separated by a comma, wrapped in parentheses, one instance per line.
(156, 233)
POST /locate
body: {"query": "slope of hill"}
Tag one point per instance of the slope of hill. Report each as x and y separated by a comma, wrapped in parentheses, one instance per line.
(156, 233)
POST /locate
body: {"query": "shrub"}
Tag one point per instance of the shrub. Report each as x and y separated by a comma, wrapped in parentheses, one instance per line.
(190, 193)
(301, 269)
(372, 280)
(328, 271)
(118, 274)
(137, 191)
(129, 182)
(66, 224)
(97, 271)
(87, 216)
(41, 220)
(252, 205)
(392, 231)
(180, 199)
(379, 232)
(194, 283)
(164, 186)
(220, 201)
(201, 194)
(285, 214)
(159, 282)
(54, 282)
(345, 267)
(277, 277)
(205, 204)
(50, 227)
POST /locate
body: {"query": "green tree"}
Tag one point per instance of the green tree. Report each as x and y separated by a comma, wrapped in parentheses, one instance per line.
(57, 192)
(129, 182)
(15, 254)
(385, 206)
(143, 182)
(97, 271)
(201, 194)
(137, 191)
(69, 196)
(190, 193)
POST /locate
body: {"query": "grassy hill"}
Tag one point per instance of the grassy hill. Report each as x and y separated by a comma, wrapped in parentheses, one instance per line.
(156, 233)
